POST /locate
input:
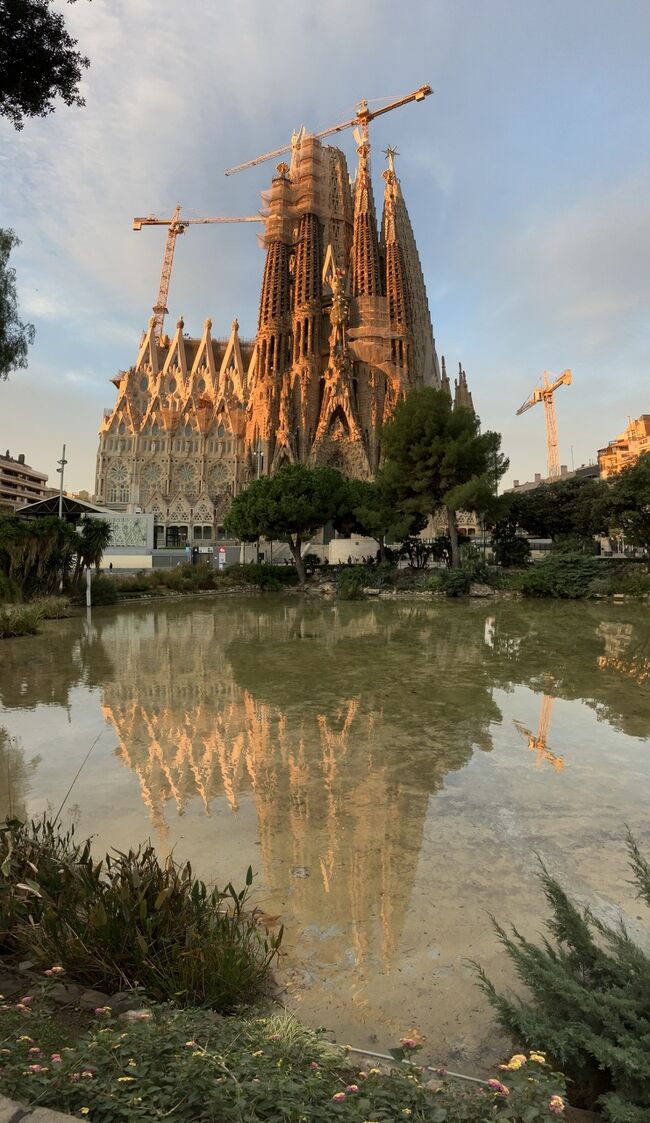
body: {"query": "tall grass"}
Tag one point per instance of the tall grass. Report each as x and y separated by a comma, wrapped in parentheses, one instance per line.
(19, 620)
(129, 919)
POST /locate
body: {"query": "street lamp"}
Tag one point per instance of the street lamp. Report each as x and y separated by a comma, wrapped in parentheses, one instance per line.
(60, 470)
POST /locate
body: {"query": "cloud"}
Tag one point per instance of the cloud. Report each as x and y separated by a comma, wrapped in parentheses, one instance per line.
(525, 174)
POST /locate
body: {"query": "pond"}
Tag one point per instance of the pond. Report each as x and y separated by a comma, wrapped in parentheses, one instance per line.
(391, 771)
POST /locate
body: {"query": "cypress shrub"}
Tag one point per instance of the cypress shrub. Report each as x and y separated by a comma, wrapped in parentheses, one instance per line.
(588, 1003)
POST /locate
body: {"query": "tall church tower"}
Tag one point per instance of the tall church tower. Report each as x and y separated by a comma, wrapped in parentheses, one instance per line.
(343, 334)
(344, 329)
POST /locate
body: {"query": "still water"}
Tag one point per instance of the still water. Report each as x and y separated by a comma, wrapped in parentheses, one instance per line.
(390, 771)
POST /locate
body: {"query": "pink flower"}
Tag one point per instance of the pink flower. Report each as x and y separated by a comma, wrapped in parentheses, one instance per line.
(363, 1075)
(34, 1068)
(75, 1076)
(56, 1058)
(497, 1086)
(352, 1088)
(27, 999)
(556, 1105)
(408, 1043)
(52, 971)
(338, 1097)
(102, 1011)
(35, 1049)
(314, 1065)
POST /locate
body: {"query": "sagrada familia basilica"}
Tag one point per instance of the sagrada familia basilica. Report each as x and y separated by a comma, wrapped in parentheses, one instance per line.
(344, 332)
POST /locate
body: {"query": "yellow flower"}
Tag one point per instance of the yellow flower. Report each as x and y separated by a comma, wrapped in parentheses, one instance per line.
(258, 1053)
(406, 1111)
(132, 1064)
(540, 1058)
(84, 1110)
(516, 1062)
(374, 1072)
(125, 1079)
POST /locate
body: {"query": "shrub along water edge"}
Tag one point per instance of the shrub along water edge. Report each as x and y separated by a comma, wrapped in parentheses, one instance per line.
(129, 919)
(589, 1001)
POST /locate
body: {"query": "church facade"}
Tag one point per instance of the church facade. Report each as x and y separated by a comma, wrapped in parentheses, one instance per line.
(344, 332)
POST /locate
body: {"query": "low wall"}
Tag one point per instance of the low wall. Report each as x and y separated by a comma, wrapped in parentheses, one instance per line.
(12, 1112)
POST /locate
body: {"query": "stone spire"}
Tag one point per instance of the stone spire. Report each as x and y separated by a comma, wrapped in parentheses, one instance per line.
(396, 226)
(396, 284)
(462, 396)
(366, 277)
(444, 379)
(307, 289)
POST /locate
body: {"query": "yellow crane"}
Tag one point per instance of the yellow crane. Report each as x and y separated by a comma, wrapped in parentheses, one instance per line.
(539, 744)
(544, 393)
(362, 119)
(175, 226)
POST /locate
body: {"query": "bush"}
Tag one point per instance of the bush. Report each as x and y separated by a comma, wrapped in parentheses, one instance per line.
(53, 608)
(473, 563)
(265, 576)
(511, 551)
(455, 582)
(19, 620)
(434, 583)
(104, 590)
(128, 919)
(568, 576)
(589, 1001)
(352, 581)
(185, 1065)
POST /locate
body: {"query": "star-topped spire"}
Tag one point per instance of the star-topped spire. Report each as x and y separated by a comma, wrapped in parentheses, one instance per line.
(390, 153)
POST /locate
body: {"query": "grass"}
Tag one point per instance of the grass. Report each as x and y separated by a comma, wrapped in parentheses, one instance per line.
(19, 620)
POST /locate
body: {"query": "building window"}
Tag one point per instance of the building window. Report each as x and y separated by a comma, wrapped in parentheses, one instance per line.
(207, 533)
(118, 484)
(176, 536)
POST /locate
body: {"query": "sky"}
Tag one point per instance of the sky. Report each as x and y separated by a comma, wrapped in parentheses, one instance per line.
(526, 175)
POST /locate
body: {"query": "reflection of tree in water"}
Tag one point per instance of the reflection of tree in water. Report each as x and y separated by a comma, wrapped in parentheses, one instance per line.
(572, 652)
(15, 777)
(69, 653)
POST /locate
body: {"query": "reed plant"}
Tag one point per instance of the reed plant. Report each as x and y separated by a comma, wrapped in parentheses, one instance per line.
(19, 620)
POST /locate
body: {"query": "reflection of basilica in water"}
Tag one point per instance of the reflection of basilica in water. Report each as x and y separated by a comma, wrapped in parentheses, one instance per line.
(334, 724)
(198, 713)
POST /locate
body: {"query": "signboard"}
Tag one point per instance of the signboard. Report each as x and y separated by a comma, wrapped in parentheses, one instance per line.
(222, 557)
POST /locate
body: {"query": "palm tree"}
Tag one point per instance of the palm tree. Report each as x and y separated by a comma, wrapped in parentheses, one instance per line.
(95, 536)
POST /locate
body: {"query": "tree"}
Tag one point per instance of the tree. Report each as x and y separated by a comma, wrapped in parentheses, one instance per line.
(34, 553)
(629, 502)
(574, 508)
(289, 507)
(94, 537)
(38, 61)
(15, 337)
(436, 457)
(374, 511)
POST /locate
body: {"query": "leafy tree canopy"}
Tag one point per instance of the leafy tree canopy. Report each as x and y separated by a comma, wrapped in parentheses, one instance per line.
(574, 508)
(374, 511)
(38, 61)
(436, 457)
(15, 337)
(289, 507)
(630, 502)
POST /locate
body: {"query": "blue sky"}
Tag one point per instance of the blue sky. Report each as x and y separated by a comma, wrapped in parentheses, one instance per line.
(527, 177)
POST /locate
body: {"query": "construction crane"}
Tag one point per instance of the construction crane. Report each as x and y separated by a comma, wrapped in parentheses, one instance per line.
(175, 226)
(539, 744)
(544, 393)
(362, 119)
